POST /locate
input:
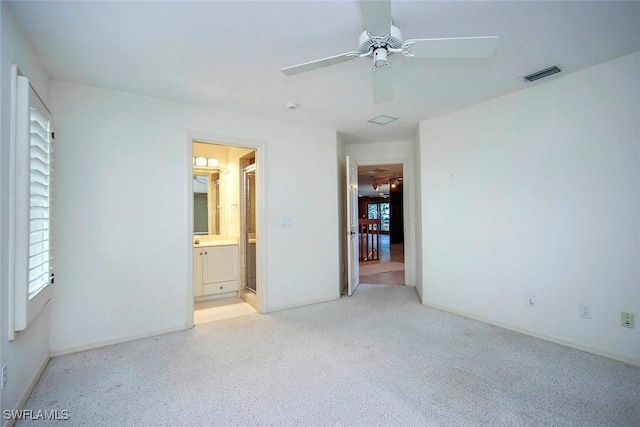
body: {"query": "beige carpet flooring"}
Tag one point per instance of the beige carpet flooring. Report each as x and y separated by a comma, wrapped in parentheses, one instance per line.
(378, 358)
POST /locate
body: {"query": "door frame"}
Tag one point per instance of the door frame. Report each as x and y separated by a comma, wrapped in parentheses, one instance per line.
(261, 253)
(242, 205)
(408, 214)
(352, 237)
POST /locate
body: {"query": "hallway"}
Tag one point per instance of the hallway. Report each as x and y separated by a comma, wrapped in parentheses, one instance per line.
(389, 270)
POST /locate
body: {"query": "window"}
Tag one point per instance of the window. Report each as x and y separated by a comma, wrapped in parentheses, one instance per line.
(372, 211)
(31, 237)
(379, 211)
(39, 157)
(384, 216)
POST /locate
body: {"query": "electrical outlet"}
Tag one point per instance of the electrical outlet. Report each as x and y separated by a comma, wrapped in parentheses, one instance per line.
(628, 320)
(585, 311)
(4, 376)
(286, 222)
(531, 299)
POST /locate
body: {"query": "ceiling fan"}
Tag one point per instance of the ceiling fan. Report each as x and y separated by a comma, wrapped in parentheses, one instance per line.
(381, 39)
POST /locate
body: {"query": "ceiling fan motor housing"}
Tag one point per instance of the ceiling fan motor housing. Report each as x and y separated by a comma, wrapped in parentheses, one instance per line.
(369, 42)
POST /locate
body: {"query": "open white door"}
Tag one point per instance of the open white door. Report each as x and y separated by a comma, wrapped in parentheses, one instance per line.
(353, 250)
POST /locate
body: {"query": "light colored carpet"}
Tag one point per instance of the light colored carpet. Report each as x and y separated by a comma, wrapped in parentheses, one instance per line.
(378, 358)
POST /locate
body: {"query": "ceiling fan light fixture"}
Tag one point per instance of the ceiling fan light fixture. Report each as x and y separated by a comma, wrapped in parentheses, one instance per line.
(381, 39)
(542, 74)
(380, 58)
(382, 120)
(369, 42)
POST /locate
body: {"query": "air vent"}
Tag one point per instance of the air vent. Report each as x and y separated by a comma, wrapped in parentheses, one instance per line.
(542, 74)
(382, 119)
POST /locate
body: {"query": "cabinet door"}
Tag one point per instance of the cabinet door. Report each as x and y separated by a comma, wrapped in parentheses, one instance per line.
(220, 264)
(198, 255)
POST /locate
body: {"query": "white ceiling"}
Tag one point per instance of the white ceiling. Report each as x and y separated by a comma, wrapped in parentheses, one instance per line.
(228, 54)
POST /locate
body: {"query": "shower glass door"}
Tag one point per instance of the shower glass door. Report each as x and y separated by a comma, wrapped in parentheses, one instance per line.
(250, 215)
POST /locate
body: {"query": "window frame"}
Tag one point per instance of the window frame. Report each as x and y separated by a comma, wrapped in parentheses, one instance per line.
(23, 307)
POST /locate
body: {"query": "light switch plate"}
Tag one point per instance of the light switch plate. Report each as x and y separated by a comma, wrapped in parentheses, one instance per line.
(531, 299)
(628, 320)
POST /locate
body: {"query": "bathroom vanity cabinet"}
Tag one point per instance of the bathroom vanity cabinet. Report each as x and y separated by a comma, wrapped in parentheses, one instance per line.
(215, 269)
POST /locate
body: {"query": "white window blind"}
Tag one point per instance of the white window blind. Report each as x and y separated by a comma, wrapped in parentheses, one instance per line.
(32, 256)
(39, 150)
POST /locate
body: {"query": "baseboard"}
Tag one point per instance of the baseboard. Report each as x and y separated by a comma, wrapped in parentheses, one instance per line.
(27, 391)
(288, 307)
(92, 346)
(551, 338)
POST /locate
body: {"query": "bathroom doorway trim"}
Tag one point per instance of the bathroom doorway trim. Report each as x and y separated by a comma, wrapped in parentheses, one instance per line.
(261, 270)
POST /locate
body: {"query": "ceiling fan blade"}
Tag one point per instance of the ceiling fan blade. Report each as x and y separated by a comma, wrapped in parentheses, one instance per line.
(376, 16)
(320, 63)
(382, 85)
(457, 47)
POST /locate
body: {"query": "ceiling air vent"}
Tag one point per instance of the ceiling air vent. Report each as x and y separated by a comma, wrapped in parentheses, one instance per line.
(541, 74)
(382, 119)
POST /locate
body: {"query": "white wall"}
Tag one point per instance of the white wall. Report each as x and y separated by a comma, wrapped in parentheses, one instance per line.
(29, 352)
(539, 191)
(123, 251)
(395, 152)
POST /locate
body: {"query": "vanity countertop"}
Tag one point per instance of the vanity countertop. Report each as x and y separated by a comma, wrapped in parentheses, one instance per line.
(215, 243)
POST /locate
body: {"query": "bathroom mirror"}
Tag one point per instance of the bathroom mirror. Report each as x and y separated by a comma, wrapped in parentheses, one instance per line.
(206, 203)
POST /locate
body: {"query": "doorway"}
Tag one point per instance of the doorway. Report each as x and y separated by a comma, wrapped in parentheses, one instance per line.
(225, 214)
(381, 221)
